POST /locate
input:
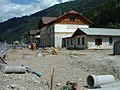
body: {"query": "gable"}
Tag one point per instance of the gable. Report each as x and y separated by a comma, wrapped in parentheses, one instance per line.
(78, 32)
(70, 17)
(73, 18)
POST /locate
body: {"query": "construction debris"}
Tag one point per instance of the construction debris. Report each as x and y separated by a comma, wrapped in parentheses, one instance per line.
(31, 70)
(73, 55)
(59, 84)
(2, 60)
(14, 69)
(13, 86)
(52, 78)
(54, 51)
(94, 81)
(70, 86)
(98, 62)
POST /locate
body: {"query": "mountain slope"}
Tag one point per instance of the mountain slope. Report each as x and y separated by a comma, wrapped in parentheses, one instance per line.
(17, 28)
(106, 15)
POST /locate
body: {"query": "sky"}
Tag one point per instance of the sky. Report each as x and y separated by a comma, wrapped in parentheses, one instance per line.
(18, 8)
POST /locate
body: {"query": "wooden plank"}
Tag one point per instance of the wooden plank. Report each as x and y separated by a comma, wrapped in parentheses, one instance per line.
(52, 78)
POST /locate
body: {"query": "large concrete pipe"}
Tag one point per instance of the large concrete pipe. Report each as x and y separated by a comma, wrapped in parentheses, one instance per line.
(111, 88)
(95, 81)
(14, 69)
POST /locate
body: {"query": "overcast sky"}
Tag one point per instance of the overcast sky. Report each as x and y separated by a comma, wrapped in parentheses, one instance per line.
(18, 8)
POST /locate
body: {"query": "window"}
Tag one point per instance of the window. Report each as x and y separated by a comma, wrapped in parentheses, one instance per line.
(72, 18)
(71, 41)
(50, 41)
(67, 41)
(110, 40)
(78, 41)
(50, 29)
(53, 42)
(98, 42)
(45, 42)
(83, 40)
(64, 43)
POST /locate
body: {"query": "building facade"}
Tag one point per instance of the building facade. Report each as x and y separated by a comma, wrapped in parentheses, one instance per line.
(53, 29)
(92, 38)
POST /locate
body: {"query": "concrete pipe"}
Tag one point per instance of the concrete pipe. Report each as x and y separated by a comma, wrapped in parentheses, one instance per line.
(95, 81)
(15, 69)
(111, 88)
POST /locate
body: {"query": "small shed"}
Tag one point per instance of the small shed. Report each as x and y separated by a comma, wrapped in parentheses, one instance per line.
(116, 48)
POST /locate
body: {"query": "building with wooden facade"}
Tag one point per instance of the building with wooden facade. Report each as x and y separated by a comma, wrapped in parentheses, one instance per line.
(53, 29)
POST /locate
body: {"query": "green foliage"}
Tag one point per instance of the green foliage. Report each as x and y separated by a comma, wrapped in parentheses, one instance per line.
(65, 88)
(103, 13)
(106, 15)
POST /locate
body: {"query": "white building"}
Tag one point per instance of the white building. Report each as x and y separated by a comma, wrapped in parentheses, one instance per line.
(53, 29)
(92, 38)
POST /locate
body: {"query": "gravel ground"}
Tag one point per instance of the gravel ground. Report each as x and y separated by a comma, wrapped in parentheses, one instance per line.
(69, 65)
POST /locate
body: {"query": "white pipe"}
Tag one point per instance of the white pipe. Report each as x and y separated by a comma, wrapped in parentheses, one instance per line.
(111, 88)
(95, 81)
(15, 69)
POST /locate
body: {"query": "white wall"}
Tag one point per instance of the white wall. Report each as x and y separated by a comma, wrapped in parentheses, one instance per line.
(90, 42)
(61, 28)
(81, 46)
(68, 27)
(105, 42)
(75, 44)
(58, 39)
(58, 31)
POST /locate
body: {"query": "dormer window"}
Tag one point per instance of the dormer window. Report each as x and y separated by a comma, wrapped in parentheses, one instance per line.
(72, 18)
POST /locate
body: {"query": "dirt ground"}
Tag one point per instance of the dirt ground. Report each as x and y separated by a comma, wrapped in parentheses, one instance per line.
(69, 65)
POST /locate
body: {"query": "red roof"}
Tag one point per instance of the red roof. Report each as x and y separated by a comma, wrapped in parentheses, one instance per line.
(72, 12)
(47, 20)
(52, 20)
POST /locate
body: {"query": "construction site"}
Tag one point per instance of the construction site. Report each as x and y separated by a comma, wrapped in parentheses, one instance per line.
(53, 69)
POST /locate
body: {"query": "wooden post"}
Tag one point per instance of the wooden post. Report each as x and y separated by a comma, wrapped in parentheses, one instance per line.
(51, 77)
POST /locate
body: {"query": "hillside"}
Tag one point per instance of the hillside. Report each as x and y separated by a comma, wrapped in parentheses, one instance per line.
(106, 15)
(103, 13)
